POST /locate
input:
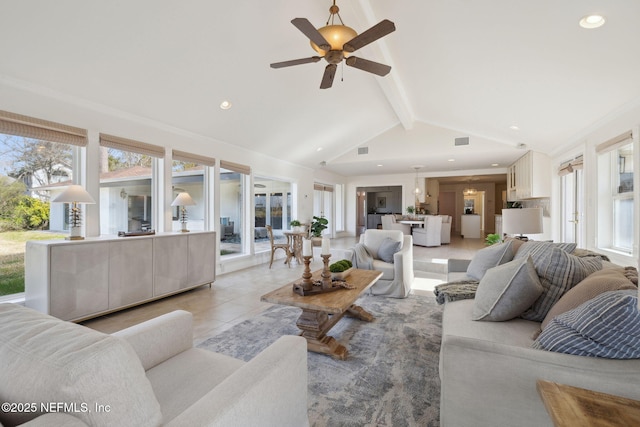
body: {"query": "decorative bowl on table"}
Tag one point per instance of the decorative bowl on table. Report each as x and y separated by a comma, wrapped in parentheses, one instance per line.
(341, 276)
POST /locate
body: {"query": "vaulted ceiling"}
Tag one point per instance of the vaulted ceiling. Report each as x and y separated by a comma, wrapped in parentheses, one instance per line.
(460, 68)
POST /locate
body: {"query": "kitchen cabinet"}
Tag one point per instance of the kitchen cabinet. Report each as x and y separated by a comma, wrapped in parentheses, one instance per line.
(470, 226)
(529, 177)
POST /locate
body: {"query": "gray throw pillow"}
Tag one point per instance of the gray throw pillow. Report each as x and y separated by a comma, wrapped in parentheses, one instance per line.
(489, 257)
(387, 248)
(559, 271)
(607, 326)
(506, 291)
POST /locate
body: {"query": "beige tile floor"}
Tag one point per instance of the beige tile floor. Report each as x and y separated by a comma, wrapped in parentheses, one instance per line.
(235, 297)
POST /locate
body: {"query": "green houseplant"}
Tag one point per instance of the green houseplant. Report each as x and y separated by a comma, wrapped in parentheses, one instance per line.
(411, 210)
(318, 225)
(492, 239)
(296, 226)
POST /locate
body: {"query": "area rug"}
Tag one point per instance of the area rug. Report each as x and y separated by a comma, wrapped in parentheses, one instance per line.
(390, 377)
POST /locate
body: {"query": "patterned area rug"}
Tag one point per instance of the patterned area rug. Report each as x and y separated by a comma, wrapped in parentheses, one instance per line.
(390, 377)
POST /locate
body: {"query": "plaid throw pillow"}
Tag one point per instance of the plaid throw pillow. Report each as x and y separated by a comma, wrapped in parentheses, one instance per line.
(559, 271)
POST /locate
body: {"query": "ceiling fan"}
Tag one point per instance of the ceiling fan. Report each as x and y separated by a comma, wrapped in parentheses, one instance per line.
(337, 42)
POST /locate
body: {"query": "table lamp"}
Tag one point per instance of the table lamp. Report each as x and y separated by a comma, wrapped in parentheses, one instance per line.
(74, 194)
(182, 200)
(522, 221)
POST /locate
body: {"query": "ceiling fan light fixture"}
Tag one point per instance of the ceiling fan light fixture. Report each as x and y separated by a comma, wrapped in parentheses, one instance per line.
(337, 36)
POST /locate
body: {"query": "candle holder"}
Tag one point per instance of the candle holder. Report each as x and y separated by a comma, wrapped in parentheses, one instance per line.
(307, 283)
(326, 274)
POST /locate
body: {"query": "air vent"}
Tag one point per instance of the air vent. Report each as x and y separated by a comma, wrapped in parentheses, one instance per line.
(462, 141)
(363, 150)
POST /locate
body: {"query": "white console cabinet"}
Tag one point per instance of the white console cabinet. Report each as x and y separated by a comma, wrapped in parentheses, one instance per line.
(77, 280)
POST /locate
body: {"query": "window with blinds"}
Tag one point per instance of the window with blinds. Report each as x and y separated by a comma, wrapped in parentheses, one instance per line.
(127, 184)
(234, 200)
(37, 159)
(188, 175)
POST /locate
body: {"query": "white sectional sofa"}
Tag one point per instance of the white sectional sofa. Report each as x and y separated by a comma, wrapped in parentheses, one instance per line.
(146, 375)
(489, 369)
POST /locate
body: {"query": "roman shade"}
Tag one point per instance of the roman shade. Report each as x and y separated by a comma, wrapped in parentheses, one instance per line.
(235, 167)
(323, 187)
(30, 127)
(183, 156)
(568, 167)
(125, 144)
(616, 142)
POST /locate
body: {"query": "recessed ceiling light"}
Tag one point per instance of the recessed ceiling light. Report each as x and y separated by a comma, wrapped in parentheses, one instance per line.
(494, 164)
(379, 166)
(319, 149)
(225, 105)
(451, 160)
(592, 21)
(514, 127)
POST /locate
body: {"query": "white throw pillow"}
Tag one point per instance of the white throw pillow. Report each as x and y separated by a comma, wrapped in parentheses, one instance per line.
(489, 257)
(506, 291)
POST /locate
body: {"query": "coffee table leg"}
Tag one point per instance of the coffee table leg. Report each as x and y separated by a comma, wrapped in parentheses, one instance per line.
(359, 313)
(314, 326)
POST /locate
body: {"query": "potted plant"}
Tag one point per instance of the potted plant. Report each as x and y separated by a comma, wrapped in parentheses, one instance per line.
(318, 225)
(492, 239)
(340, 269)
(411, 210)
(296, 226)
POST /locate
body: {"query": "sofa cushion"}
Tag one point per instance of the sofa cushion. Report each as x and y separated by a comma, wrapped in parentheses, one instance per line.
(49, 360)
(559, 271)
(607, 326)
(489, 257)
(506, 291)
(387, 248)
(608, 279)
(182, 380)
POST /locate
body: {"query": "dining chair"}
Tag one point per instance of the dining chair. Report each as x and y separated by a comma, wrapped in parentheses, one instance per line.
(275, 246)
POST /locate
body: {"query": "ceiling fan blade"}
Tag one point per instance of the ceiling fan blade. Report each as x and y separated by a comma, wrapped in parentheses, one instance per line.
(370, 66)
(379, 30)
(295, 62)
(311, 32)
(327, 78)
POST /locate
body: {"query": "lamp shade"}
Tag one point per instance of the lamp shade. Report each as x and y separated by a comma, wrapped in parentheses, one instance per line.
(183, 199)
(522, 221)
(74, 193)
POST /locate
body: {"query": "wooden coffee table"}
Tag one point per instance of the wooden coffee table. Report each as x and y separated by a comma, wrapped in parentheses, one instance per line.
(322, 311)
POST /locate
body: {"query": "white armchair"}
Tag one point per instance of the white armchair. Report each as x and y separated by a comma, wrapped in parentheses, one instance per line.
(397, 277)
(149, 375)
(389, 223)
(430, 234)
(445, 234)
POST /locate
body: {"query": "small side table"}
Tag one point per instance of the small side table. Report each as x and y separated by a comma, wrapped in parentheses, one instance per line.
(577, 407)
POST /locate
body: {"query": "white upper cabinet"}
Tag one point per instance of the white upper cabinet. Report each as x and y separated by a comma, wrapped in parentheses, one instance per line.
(529, 177)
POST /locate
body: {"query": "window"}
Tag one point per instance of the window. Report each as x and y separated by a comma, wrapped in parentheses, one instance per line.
(233, 200)
(572, 201)
(127, 184)
(615, 195)
(272, 206)
(189, 174)
(37, 161)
